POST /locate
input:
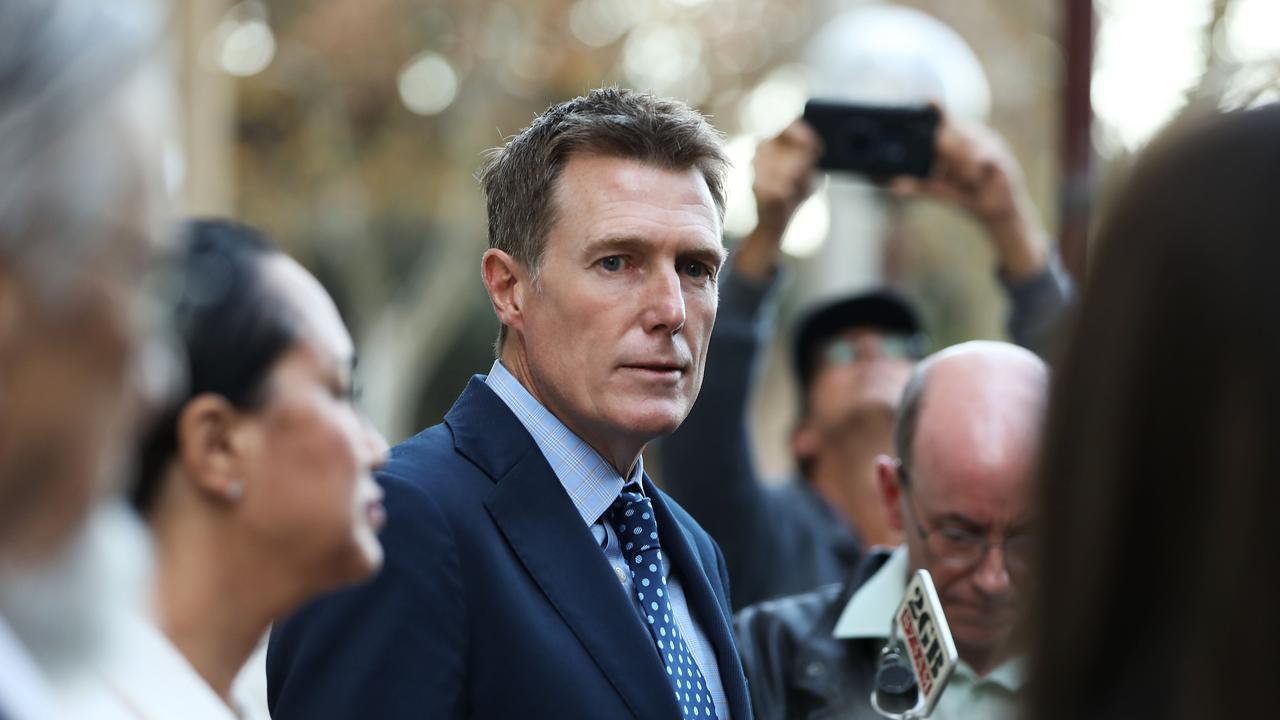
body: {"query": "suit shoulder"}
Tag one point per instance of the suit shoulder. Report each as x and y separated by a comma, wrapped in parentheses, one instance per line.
(428, 463)
(432, 445)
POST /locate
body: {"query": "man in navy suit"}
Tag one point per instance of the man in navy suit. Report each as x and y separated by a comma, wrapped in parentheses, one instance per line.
(532, 569)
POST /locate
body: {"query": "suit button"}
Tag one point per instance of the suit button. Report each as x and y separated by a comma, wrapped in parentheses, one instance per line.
(622, 574)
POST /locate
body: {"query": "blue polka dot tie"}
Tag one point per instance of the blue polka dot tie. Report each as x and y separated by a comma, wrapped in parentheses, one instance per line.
(632, 518)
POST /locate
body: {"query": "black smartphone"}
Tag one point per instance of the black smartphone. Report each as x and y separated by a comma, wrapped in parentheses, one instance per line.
(878, 141)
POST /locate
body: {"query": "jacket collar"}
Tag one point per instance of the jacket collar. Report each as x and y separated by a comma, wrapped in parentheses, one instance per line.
(547, 535)
(833, 669)
(588, 479)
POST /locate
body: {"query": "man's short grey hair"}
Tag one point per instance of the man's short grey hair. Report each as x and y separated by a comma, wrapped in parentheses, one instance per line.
(519, 179)
(65, 173)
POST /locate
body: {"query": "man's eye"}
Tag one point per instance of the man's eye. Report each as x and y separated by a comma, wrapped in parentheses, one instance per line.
(696, 269)
(613, 263)
(958, 537)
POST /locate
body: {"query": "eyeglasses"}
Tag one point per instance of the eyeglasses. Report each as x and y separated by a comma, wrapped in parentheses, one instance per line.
(845, 350)
(961, 548)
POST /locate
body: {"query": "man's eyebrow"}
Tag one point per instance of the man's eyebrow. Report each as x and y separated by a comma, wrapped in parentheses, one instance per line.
(955, 518)
(1020, 526)
(614, 242)
(713, 255)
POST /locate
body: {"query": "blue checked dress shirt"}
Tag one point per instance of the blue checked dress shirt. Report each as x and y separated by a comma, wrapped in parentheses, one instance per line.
(593, 486)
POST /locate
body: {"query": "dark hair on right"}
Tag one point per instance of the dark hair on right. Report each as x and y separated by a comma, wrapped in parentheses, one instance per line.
(1160, 557)
(519, 179)
(231, 326)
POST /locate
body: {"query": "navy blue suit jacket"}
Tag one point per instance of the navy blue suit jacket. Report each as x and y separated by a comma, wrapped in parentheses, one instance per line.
(495, 600)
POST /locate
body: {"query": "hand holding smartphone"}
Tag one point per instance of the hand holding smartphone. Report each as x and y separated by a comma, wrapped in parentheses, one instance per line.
(878, 141)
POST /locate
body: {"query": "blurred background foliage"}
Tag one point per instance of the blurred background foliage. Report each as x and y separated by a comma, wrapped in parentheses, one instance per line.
(351, 130)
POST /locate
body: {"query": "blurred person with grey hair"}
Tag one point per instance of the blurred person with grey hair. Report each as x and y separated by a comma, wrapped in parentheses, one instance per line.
(81, 209)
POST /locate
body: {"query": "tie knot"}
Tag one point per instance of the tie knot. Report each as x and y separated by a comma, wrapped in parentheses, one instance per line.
(632, 518)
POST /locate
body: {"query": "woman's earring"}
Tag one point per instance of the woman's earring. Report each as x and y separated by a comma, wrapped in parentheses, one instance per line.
(234, 490)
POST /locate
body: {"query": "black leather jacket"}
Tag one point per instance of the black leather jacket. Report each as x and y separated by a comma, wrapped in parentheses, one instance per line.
(795, 668)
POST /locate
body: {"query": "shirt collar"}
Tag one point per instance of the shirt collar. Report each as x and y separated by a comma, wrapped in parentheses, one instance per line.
(870, 611)
(588, 479)
(1008, 675)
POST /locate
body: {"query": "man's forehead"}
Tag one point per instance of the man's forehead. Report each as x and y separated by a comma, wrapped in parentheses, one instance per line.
(978, 428)
(984, 483)
(633, 176)
(612, 198)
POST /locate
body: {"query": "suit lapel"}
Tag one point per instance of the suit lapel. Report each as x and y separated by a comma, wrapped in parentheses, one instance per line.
(547, 534)
(702, 600)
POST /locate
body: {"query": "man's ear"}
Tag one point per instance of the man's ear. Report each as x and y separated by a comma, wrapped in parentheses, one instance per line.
(506, 282)
(890, 482)
(207, 447)
(805, 441)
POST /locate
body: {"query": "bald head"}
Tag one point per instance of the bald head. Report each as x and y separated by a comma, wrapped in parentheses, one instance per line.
(978, 398)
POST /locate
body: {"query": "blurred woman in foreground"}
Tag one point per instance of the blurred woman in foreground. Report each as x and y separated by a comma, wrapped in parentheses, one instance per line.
(1162, 459)
(257, 483)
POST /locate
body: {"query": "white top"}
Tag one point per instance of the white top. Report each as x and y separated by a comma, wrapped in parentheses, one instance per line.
(143, 676)
(24, 692)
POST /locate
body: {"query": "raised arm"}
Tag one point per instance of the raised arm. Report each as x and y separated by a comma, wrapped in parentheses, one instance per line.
(707, 464)
(976, 171)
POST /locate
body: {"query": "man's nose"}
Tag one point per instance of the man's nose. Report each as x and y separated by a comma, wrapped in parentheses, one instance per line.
(869, 348)
(664, 302)
(992, 573)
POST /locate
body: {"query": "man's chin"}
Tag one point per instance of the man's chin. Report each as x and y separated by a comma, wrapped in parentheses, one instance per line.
(983, 637)
(650, 418)
(654, 425)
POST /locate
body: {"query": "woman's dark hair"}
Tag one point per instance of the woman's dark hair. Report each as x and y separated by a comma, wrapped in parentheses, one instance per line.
(231, 327)
(1161, 466)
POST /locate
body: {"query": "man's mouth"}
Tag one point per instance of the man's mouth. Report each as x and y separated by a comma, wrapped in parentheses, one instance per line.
(657, 370)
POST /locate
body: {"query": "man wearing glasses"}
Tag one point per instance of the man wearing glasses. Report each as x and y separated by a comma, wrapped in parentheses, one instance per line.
(852, 358)
(960, 494)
